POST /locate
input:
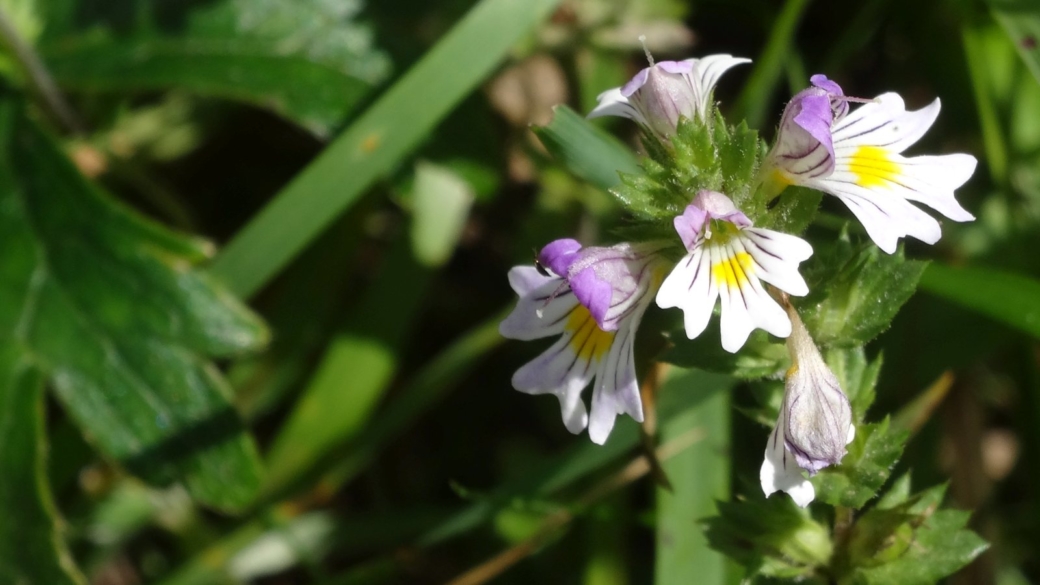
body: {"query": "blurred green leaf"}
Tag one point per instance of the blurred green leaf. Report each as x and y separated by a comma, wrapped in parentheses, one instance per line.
(356, 369)
(699, 476)
(375, 144)
(1013, 299)
(313, 94)
(855, 293)
(585, 150)
(112, 309)
(560, 471)
(1021, 20)
(441, 201)
(865, 468)
(31, 547)
(770, 537)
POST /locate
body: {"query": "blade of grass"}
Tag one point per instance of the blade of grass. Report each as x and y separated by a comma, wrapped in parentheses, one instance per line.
(354, 372)
(700, 476)
(1021, 20)
(1010, 298)
(372, 146)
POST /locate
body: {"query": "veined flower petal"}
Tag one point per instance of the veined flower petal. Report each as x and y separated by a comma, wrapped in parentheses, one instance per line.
(780, 471)
(660, 94)
(731, 263)
(619, 282)
(545, 302)
(864, 168)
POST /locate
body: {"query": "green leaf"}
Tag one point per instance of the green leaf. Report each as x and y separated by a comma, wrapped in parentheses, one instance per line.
(1021, 20)
(31, 548)
(758, 358)
(585, 150)
(869, 461)
(375, 144)
(113, 311)
(314, 95)
(699, 476)
(856, 293)
(911, 543)
(1012, 299)
(356, 369)
(857, 377)
(793, 211)
(770, 537)
(441, 201)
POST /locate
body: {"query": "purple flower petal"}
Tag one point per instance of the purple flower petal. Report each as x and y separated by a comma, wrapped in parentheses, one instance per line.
(593, 292)
(558, 255)
(815, 117)
(636, 82)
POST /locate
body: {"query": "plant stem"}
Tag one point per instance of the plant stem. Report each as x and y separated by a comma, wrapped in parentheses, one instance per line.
(39, 77)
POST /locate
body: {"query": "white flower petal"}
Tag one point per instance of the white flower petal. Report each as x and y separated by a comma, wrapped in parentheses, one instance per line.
(560, 371)
(612, 103)
(886, 218)
(746, 305)
(541, 312)
(736, 323)
(690, 287)
(777, 256)
(926, 179)
(706, 74)
(616, 390)
(779, 471)
(884, 123)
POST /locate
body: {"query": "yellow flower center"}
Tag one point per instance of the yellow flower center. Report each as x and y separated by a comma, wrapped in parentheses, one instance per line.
(874, 167)
(734, 271)
(589, 341)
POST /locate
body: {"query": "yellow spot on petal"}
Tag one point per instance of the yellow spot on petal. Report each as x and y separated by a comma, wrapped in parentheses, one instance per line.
(874, 167)
(589, 341)
(734, 271)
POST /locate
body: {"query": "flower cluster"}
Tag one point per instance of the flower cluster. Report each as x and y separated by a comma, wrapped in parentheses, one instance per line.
(593, 298)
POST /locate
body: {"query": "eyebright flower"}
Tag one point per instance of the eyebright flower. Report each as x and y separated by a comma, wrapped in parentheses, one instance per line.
(815, 422)
(856, 158)
(730, 258)
(659, 94)
(594, 298)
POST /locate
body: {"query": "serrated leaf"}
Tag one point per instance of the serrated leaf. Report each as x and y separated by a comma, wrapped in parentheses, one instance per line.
(856, 292)
(793, 211)
(939, 547)
(31, 549)
(111, 308)
(585, 150)
(864, 469)
(773, 538)
(856, 375)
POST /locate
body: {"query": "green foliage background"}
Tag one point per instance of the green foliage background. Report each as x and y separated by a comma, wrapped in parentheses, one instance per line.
(249, 293)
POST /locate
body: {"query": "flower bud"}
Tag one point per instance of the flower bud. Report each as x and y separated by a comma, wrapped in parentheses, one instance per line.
(815, 422)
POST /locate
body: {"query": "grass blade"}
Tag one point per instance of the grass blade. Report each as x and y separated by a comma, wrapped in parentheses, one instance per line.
(371, 147)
